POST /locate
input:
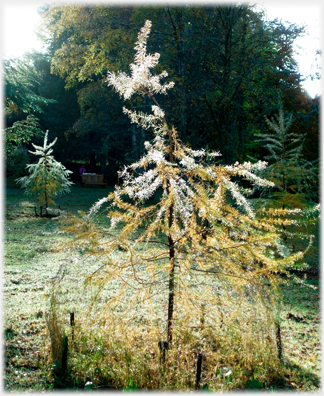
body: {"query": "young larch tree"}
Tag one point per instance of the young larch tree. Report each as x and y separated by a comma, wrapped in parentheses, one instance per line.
(202, 245)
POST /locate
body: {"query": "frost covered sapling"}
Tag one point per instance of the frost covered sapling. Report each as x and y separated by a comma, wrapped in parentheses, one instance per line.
(48, 178)
(194, 247)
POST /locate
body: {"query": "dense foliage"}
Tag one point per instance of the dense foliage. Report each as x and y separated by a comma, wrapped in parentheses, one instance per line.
(21, 81)
(228, 63)
(292, 174)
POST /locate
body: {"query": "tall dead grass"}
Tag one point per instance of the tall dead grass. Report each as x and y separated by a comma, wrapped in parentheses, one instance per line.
(113, 349)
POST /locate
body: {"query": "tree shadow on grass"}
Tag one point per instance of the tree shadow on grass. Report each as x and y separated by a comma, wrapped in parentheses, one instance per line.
(296, 378)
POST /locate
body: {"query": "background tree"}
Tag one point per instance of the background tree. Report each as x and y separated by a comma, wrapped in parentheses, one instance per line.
(227, 62)
(48, 178)
(104, 138)
(61, 115)
(22, 96)
(21, 81)
(294, 178)
(291, 173)
(99, 132)
(17, 162)
(21, 132)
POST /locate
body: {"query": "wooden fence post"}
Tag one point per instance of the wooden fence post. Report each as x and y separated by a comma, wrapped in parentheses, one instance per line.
(72, 324)
(65, 354)
(279, 341)
(198, 372)
(202, 317)
(163, 346)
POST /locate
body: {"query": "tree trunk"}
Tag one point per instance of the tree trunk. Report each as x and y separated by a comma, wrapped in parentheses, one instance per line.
(143, 138)
(134, 143)
(46, 204)
(240, 126)
(45, 191)
(171, 281)
(171, 260)
(240, 94)
(181, 68)
(92, 162)
(103, 162)
(178, 35)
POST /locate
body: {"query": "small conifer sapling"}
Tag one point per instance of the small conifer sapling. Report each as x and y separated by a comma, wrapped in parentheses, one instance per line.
(48, 178)
(290, 172)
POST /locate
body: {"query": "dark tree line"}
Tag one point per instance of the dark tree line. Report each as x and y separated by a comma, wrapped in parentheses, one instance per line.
(230, 68)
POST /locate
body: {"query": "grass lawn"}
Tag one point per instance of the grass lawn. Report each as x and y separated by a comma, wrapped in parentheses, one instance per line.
(31, 261)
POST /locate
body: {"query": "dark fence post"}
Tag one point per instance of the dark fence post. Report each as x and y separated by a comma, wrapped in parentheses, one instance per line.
(163, 346)
(41, 211)
(72, 324)
(198, 373)
(71, 318)
(64, 355)
(279, 341)
(202, 318)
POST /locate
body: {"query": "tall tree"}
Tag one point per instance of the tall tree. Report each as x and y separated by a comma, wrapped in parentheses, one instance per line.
(60, 116)
(227, 62)
(21, 82)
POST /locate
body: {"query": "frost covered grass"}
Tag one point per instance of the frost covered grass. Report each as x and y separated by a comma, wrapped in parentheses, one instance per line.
(30, 261)
(99, 356)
